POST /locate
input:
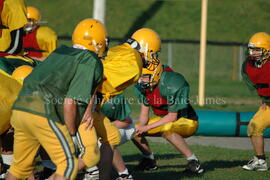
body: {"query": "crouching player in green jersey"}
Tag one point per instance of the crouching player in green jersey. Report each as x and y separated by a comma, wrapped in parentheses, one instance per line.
(51, 104)
(167, 93)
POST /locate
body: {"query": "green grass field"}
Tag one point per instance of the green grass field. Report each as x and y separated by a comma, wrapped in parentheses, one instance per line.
(219, 163)
(230, 20)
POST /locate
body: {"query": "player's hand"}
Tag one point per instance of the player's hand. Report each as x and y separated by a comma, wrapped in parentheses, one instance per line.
(141, 129)
(263, 106)
(88, 120)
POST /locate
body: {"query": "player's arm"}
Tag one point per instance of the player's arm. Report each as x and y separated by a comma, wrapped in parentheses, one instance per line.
(16, 44)
(88, 117)
(70, 114)
(168, 118)
(144, 114)
(246, 79)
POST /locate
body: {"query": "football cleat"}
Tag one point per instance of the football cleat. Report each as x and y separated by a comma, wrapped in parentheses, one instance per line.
(92, 175)
(194, 166)
(125, 177)
(256, 164)
(147, 164)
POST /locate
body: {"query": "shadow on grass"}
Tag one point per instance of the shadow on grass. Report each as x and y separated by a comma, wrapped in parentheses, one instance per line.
(221, 164)
(173, 172)
(137, 157)
(144, 17)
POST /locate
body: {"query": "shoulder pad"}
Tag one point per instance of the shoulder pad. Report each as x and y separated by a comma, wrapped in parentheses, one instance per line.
(171, 82)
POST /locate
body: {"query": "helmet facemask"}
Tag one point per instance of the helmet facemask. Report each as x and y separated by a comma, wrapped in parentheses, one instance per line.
(258, 55)
(150, 58)
(143, 82)
(150, 77)
(31, 25)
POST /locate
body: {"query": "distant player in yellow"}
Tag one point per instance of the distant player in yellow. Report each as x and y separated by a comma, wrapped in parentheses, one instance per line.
(39, 41)
(255, 72)
(52, 103)
(13, 19)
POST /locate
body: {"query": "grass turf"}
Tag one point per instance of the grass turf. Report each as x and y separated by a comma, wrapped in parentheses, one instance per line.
(219, 163)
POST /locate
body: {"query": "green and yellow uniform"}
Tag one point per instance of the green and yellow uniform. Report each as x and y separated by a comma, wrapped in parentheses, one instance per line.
(9, 87)
(170, 95)
(38, 116)
(122, 67)
(13, 19)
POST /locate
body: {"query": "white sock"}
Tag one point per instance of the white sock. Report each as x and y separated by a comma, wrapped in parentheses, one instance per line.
(192, 157)
(94, 168)
(124, 172)
(7, 159)
(150, 156)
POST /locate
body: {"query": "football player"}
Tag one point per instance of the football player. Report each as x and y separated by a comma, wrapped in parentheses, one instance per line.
(167, 93)
(39, 41)
(20, 66)
(255, 72)
(117, 109)
(52, 102)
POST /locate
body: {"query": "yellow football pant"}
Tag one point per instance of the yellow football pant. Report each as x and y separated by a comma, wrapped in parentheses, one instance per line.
(31, 131)
(259, 122)
(106, 130)
(182, 126)
(9, 90)
(89, 150)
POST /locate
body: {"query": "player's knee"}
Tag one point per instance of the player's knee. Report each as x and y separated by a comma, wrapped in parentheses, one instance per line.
(68, 168)
(113, 138)
(90, 155)
(20, 172)
(255, 129)
(183, 129)
(116, 139)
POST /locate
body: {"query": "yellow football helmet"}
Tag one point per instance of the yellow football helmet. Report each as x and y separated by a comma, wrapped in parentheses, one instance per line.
(21, 72)
(259, 48)
(153, 77)
(33, 18)
(92, 35)
(33, 13)
(150, 44)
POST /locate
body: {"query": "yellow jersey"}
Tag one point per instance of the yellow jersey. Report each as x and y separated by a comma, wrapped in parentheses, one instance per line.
(13, 17)
(122, 67)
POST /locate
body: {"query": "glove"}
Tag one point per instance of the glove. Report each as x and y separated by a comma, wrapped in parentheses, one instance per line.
(76, 144)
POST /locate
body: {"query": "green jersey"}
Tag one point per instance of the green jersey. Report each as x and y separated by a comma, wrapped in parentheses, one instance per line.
(10, 62)
(116, 108)
(170, 95)
(66, 73)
